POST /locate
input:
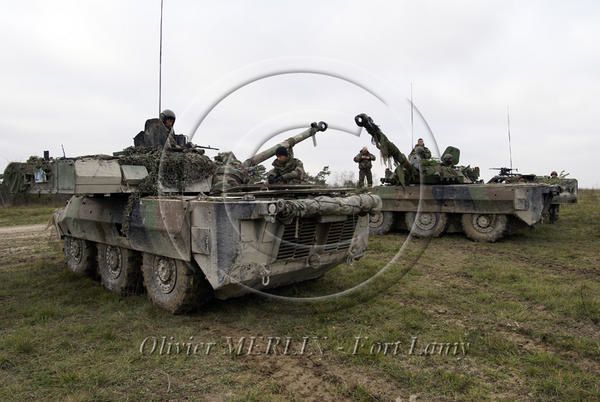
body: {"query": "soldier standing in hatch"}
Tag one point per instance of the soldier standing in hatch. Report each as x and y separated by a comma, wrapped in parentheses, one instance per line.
(286, 169)
(364, 159)
(158, 132)
(421, 150)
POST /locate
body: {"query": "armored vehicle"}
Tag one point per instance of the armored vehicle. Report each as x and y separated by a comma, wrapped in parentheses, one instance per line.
(195, 239)
(430, 197)
(567, 187)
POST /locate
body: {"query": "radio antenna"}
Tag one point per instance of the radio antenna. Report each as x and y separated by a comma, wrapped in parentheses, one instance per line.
(509, 145)
(412, 121)
(160, 59)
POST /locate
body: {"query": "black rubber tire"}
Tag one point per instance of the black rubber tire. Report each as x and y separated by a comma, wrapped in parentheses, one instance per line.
(438, 221)
(179, 289)
(381, 222)
(80, 255)
(492, 229)
(120, 269)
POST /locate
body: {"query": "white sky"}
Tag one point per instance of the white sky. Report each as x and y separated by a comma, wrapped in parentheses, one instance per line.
(84, 74)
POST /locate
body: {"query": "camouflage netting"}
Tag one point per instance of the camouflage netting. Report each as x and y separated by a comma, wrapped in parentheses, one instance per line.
(17, 175)
(177, 169)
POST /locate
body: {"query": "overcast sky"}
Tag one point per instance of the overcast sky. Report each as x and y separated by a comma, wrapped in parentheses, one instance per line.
(84, 74)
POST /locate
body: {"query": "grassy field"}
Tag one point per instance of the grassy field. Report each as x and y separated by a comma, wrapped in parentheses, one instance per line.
(25, 215)
(524, 314)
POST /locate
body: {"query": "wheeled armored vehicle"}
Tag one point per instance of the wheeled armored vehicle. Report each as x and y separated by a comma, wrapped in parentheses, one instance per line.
(430, 197)
(217, 235)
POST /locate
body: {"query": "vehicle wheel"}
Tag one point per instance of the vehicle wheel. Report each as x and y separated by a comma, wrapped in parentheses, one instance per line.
(173, 284)
(120, 269)
(427, 224)
(381, 223)
(484, 227)
(80, 255)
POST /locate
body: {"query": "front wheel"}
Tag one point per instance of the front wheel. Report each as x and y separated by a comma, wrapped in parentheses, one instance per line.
(426, 224)
(174, 285)
(80, 255)
(484, 227)
(381, 223)
(120, 269)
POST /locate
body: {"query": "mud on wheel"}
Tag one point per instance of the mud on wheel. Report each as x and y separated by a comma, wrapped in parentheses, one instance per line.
(484, 227)
(80, 255)
(380, 222)
(174, 285)
(120, 269)
(426, 224)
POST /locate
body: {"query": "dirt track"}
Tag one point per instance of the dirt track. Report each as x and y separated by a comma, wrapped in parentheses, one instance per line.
(25, 243)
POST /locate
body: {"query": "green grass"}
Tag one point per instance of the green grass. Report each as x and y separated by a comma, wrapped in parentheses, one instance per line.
(529, 307)
(25, 215)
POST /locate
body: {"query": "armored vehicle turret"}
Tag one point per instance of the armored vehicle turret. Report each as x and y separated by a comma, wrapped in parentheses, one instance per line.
(432, 197)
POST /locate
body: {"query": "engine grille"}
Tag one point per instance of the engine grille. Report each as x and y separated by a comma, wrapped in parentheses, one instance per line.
(337, 235)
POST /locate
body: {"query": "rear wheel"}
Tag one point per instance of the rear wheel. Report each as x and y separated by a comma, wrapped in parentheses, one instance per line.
(120, 269)
(174, 285)
(426, 224)
(80, 255)
(381, 223)
(484, 227)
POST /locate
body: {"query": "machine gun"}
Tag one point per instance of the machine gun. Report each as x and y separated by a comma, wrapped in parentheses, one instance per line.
(510, 175)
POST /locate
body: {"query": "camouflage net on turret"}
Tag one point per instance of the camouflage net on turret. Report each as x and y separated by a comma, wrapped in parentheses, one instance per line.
(176, 170)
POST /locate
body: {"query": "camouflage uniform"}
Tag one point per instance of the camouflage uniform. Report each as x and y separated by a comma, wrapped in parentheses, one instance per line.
(155, 135)
(364, 159)
(422, 151)
(289, 172)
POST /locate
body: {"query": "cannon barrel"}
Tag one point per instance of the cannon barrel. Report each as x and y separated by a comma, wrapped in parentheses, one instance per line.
(290, 142)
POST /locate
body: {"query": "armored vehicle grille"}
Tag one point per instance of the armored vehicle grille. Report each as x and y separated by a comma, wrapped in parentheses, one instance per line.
(340, 234)
(337, 235)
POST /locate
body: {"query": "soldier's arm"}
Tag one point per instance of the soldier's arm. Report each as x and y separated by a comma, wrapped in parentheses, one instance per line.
(357, 158)
(297, 173)
(372, 157)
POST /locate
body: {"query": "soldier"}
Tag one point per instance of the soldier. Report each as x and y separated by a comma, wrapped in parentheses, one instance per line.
(286, 169)
(158, 132)
(553, 174)
(421, 150)
(364, 159)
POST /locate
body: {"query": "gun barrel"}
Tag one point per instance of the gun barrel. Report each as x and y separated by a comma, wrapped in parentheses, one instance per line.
(290, 142)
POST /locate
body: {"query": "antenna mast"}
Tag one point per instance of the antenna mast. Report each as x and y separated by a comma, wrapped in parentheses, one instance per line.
(160, 59)
(508, 126)
(412, 124)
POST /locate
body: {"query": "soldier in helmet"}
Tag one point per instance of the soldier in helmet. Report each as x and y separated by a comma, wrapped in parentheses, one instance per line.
(158, 133)
(364, 159)
(420, 150)
(553, 174)
(286, 169)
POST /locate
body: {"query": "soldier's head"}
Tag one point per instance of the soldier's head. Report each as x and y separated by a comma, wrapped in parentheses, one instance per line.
(282, 154)
(420, 142)
(553, 174)
(364, 150)
(168, 118)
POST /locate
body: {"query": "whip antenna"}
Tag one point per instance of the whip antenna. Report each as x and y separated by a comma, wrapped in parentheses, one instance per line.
(508, 126)
(412, 123)
(160, 59)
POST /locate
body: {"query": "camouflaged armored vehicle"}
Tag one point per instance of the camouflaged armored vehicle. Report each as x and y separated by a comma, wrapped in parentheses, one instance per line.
(216, 235)
(429, 197)
(567, 187)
